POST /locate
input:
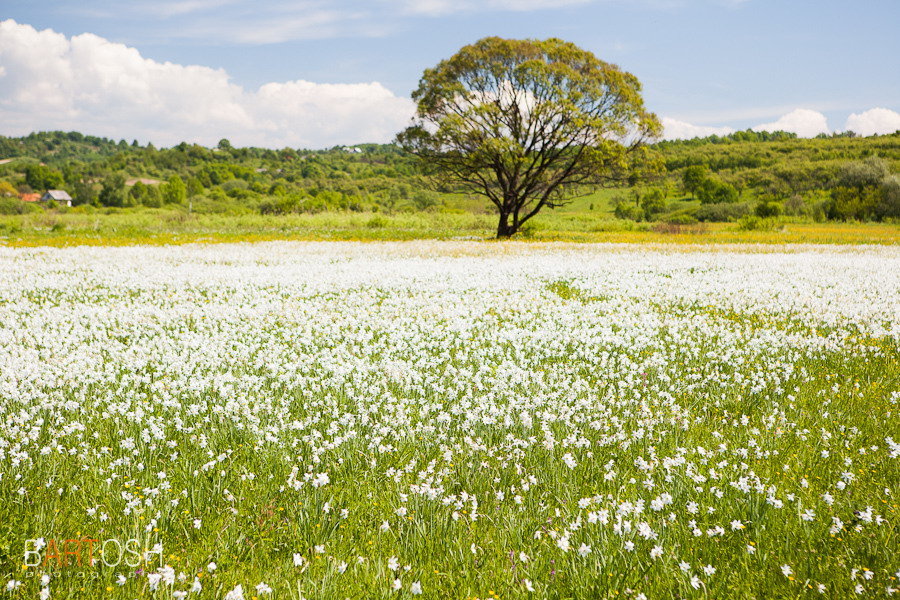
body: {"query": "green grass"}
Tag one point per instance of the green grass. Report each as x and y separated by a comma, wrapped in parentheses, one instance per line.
(662, 384)
(575, 223)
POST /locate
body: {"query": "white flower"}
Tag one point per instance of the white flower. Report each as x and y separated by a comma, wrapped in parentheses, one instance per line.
(584, 550)
(262, 588)
(320, 480)
(528, 585)
(299, 561)
(393, 563)
(656, 552)
(735, 525)
(416, 588)
(12, 585)
(197, 523)
(695, 582)
(154, 579)
(569, 460)
(236, 594)
(397, 584)
(685, 567)
(786, 570)
(342, 567)
(211, 567)
(709, 570)
(167, 575)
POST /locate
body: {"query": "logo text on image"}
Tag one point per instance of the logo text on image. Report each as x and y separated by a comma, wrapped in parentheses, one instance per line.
(88, 552)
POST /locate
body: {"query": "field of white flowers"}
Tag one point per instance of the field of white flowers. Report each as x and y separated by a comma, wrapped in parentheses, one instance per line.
(449, 420)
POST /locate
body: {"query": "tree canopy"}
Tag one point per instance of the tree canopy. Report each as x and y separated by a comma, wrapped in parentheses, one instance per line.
(528, 123)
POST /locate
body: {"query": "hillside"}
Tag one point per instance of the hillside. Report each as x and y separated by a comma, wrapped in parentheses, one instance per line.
(710, 179)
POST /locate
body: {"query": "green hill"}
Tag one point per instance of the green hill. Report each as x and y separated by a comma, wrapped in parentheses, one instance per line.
(713, 179)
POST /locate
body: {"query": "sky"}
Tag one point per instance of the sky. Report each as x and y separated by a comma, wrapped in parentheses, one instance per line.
(320, 73)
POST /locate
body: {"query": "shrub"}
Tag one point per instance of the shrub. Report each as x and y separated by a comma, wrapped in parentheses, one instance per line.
(714, 191)
(626, 209)
(755, 223)
(888, 206)
(862, 173)
(768, 207)
(854, 203)
(376, 222)
(14, 206)
(653, 203)
(682, 218)
(721, 212)
(677, 228)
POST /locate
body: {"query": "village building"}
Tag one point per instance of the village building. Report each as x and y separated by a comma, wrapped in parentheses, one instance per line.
(59, 196)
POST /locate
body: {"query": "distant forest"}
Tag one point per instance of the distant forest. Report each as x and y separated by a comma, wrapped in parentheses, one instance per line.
(718, 178)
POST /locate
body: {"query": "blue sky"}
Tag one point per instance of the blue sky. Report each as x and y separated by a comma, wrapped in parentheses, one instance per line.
(706, 65)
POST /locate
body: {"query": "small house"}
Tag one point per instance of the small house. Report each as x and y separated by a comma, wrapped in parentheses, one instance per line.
(59, 196)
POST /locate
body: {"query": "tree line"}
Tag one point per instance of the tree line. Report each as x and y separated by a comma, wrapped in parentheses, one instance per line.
(719, 178)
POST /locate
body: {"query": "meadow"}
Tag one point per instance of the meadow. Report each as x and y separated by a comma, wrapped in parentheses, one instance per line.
(449, 420)
(587, 220)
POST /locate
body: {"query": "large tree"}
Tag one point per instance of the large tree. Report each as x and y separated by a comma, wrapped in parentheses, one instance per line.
(529, 124)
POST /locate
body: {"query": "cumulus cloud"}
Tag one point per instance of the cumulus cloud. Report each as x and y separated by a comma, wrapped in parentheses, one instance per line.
(673, 129)
(802, 121)
(90, 84)
(875, 121)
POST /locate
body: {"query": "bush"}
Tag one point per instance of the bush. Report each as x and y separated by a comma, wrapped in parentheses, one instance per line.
(292, 203)
(888, 206)
(755, 223)
(653, 202)
(234, 184)
(240, 194)
(854, 203)
(14, 206)
(676, 228)
(862, 173)
(626, 209)
(768, 207)
(714, 191)
(682, 218)
(721, 212)
(377, 222)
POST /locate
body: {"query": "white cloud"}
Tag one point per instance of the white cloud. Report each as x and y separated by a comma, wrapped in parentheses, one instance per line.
(673, 129)
(875, 121)
(92, 85)
(802, 121)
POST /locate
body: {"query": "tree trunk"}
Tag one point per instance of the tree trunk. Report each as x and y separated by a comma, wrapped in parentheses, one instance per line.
(504, 229)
